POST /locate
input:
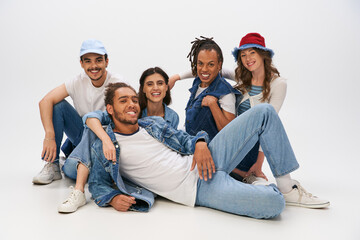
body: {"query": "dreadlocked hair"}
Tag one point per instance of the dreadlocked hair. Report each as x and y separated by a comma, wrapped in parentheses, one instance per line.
(243, 76)
(203, 43)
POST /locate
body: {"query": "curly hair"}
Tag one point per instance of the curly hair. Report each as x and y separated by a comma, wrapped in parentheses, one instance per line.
(243, 76)
(201, 44)
(142, 95)
(110, 91)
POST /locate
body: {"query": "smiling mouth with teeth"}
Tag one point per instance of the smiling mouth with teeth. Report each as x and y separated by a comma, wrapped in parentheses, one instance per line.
(94, 70)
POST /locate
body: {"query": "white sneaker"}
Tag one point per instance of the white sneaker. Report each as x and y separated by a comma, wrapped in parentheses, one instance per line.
(254, 180)
(75, 200)
(298, 196)
(49, 173)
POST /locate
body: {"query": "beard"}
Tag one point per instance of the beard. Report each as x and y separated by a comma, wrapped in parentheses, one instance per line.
(123, 120)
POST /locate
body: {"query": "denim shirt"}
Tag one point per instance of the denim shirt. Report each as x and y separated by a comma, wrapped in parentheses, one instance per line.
(170, 116)
(105, 181)
(200, 118)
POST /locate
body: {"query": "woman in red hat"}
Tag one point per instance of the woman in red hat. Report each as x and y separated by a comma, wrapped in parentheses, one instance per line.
(260, 82)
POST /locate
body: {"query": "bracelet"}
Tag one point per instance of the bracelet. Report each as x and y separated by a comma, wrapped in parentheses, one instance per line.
(49, 139)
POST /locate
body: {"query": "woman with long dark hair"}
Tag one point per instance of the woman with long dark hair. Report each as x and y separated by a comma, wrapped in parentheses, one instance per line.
(154, 96)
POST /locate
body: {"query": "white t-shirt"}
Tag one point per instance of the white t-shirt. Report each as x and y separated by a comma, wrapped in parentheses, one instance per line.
(85, 96)
(227, 102)
(161, 170)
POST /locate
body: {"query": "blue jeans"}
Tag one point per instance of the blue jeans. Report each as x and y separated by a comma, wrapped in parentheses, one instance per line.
(229, 147)
(67, 120)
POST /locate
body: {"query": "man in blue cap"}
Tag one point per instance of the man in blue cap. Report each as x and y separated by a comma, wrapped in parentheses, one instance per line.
(58, 116)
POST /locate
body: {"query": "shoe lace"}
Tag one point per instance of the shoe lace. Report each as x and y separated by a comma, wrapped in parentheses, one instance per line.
(303, 192)
(72, 196)
(46, 168)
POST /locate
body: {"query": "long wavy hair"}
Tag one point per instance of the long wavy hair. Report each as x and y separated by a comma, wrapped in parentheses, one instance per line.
(243, 76)
(142, 95)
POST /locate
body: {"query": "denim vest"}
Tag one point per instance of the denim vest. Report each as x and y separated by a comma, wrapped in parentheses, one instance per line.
(200, 118)
(105, 181)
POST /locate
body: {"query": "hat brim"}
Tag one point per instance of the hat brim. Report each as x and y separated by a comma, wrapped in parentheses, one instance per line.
(236, 50)
(97, 51)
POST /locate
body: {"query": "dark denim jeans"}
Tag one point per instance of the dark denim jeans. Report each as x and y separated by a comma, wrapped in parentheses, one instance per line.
(67, 120)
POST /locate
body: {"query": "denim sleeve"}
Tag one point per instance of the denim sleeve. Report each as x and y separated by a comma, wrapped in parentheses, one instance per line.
(171, 117)
(174, 119)
(101, 185)
(103, 117)
(188, 141)
(175, 123)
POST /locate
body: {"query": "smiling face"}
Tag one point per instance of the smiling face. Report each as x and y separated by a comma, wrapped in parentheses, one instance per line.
(208, 66)
(252, 60)
(125, 109)
(155, 88)
(95, 67)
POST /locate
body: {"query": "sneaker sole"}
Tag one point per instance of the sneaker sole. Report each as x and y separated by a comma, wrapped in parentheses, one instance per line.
(320, 205)
(69, 211)
(37, 182)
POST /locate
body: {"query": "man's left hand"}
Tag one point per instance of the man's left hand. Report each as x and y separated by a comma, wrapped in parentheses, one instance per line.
(203, 159)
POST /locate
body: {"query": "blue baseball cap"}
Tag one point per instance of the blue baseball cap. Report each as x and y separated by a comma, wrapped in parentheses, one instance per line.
(92, 46)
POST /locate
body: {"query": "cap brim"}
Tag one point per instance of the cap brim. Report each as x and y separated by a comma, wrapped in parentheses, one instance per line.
(92, 51)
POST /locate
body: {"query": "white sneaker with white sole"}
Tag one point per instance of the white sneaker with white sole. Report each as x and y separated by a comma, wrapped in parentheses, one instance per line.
(73, 202)
(298, 196)
(49, 173)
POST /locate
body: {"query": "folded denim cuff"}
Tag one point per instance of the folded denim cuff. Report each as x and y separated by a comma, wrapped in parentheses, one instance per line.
(104, 201)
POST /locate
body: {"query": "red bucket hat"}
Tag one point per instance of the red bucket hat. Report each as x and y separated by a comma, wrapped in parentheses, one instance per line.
(251, 40)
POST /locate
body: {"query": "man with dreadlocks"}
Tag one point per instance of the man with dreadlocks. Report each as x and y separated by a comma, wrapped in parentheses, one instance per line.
(212, 101)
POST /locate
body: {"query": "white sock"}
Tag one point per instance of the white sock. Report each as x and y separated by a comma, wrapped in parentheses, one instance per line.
(284, 183)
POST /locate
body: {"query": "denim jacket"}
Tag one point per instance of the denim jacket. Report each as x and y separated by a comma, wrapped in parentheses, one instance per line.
(105, 181)
(170, 116)
(200, 118)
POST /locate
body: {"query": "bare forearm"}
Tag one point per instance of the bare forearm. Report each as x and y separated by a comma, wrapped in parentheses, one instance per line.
(260, 159)
(95, 125)
(46, 115)
(220, 119)
(46, 106)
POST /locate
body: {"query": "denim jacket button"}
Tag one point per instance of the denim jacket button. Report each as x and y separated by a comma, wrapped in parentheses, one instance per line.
(116, 146)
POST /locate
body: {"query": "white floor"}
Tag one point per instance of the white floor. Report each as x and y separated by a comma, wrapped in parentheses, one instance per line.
(30, 212)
